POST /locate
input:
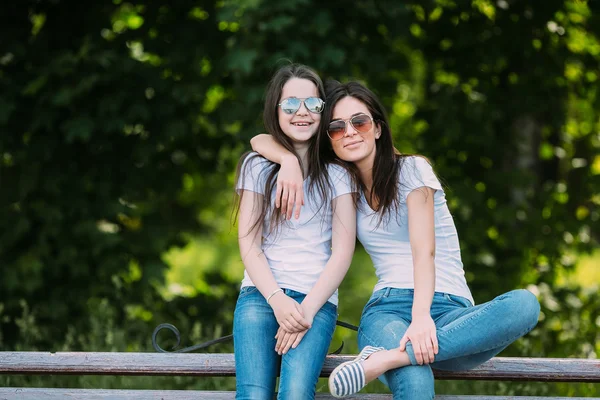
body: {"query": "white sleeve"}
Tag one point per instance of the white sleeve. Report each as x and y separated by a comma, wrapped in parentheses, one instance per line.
(253, 174)
(340, 181)
(416, 172)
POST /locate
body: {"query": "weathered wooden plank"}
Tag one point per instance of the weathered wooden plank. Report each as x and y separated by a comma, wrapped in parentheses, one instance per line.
(111, 394)
(530, 369)
(202, 364)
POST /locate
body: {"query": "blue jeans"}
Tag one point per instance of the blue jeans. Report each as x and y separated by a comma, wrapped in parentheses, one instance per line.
(467, 335)
(256, 362)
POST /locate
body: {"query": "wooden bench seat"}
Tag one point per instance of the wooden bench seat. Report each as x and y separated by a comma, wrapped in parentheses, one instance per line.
(112, 394)
(213, 365)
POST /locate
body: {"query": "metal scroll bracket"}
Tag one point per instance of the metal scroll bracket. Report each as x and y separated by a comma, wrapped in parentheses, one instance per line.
(222, 339)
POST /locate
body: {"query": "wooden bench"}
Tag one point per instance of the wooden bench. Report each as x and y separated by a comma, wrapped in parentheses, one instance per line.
(212, 365)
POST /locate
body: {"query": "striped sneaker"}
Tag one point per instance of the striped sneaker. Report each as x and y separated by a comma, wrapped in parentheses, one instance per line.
(349, 377)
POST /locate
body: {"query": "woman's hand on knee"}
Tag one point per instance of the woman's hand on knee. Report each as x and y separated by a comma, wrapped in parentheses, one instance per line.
(423, 336)
(289, 313)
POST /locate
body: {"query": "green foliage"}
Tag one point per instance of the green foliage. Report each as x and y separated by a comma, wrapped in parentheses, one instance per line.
(122, 123)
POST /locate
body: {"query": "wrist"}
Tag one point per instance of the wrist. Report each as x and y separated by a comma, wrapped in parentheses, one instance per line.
(273, 294)
(288, 158)
(421, 312)
(310, 309)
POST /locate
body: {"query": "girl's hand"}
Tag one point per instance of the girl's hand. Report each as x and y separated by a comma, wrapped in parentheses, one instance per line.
(289, 314)
(287, 340)
(423, 337)
(290, 185)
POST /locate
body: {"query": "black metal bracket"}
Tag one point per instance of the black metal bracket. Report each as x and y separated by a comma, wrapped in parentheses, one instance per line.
(222, 339)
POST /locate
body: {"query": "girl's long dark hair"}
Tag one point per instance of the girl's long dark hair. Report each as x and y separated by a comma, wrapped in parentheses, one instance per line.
(385, 193)
(319, 181)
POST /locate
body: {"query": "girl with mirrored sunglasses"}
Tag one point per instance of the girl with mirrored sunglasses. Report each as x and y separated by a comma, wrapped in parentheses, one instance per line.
(421, 314)
(287, 308)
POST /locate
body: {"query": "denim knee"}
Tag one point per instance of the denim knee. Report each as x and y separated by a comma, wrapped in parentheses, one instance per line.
(300, 367)
(411, 382)
(298, 381)
(527, 307)
(250, 392)
(298, 389)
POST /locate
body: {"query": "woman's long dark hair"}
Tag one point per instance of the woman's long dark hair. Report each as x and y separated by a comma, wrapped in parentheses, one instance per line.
(271, 122)
(388, 160)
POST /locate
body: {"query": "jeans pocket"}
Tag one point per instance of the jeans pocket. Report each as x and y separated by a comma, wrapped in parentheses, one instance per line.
(372, 301)
(247, 290)
(330, 309)
(457, 300)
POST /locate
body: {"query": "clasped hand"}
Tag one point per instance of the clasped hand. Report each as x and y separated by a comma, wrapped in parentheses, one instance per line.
(289, 314)
(293, 321)
(422, 335)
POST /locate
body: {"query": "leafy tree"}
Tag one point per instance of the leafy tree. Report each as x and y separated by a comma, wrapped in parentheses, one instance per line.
(122, 123)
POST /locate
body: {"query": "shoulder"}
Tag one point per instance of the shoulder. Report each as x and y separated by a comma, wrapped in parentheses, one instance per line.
(254, 160)
(336, 170)
(416, 171)
(255, 165)
(339, 173)
(414, 165)
(415, 161)
(254, 172)
(340, 180)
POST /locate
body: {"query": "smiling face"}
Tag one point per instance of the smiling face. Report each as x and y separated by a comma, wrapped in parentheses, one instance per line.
(355, 147)
(303, 124)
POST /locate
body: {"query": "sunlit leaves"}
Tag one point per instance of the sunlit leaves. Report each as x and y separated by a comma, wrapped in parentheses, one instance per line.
(137, 52)
(37, 23)
(485, 7)
(446, 78)
(198, 13)
(214, 96)
(127, 16)
(546, 151)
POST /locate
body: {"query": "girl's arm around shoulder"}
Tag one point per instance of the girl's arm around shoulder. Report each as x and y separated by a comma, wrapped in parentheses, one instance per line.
(290, 194)
(267, 147)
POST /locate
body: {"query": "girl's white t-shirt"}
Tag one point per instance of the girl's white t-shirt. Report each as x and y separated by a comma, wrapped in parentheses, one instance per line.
(389, 243)
(298, 250)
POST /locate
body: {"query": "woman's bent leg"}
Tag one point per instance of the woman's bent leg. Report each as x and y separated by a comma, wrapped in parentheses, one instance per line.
(467, 335)
(467, 362)
(414, 382)
(472, 335)
(301, 367)
(410, 382)
(383, 324)
(256, 362)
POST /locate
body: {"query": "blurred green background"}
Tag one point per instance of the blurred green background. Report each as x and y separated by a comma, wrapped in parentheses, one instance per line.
(121, 124)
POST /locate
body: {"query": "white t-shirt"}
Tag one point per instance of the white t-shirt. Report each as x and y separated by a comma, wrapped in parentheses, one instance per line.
(299, 249)
(389, 244)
